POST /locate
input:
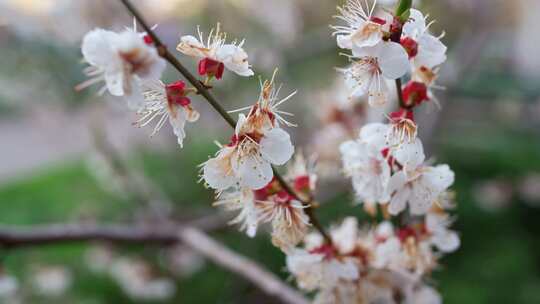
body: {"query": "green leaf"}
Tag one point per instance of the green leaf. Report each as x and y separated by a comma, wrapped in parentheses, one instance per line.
(403, 9)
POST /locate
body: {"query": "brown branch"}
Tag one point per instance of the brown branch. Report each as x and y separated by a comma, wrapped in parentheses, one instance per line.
(17, 237)
(203, 90)
(268, 282)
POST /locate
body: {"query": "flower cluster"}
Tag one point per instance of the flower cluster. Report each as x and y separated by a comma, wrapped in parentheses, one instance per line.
(385, 262)
(258, 143)
(131, 67)
(275, 205)
(377, 265)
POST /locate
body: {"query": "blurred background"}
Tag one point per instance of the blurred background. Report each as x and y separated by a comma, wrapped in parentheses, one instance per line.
(63, 154)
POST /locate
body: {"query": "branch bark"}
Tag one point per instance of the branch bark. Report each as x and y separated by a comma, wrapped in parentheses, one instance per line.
(19, 237)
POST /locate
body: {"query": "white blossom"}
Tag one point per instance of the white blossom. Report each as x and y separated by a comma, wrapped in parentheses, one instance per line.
(164, 103)
(258, 143)
(372, 67)
(423, 295)
(417, 185)
(137, 280)
(314, 270)
(214, 52)
(289, 221)
(364, 161)
(362, 28)
(123, 61)
(441, 237)
(243, 200)
(424, 49)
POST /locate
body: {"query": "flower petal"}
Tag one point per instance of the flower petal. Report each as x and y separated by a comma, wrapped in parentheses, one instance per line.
(431, 52)
(252, 171)
(235, 59)
(416, 25)
(276, 146)
(96, 47)
(375, 135)
(393, 60)
(217, 173)
(191, 46)
(178, 121)
(410, 154)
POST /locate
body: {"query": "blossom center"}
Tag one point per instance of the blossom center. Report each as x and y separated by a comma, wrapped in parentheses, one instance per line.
(176, 94)
(410, 45)
(327, 250)
(211, 68)
(414, 93)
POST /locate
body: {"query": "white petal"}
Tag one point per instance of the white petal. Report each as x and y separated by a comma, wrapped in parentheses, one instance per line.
(440, 177)
(216, 175)
(344, 41)
(410, 154)
(135, 98)
(375, 135)
(402, 193)
(358, 78)
(242, 119)
(416, 25)
(447, 241)
(252, 171)
(425, 295)
(96, 47)
(191, 46)
(178, 121)
(276, 146)
(393, 60)
(235, 59)
(431, 52)
(114, 80)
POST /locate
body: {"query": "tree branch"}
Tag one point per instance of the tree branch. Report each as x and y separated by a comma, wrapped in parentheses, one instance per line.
(15, 237)
(202, 90)
(266, 281)
(18, 237)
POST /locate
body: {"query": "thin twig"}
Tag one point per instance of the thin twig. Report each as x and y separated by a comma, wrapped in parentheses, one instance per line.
(202, 90)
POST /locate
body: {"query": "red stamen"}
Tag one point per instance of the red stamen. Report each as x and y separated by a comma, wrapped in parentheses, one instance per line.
(263, 193)
(211, 67)
(410, 45)
(327, 250)
(415, 93)
(378, 20)
(301, 183)
(148, 39)
(398, 116)
(176, 93)
(404, 233)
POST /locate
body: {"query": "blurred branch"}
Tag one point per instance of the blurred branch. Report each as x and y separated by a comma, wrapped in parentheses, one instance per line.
(268, 282)
(161, 231)
(204, 91)
(15, 237)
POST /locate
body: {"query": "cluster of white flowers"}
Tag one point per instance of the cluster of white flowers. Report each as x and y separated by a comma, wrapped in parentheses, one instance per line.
(385, 262)
(131, 67)
(374, 265)
(273, 204)
(381, 263)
